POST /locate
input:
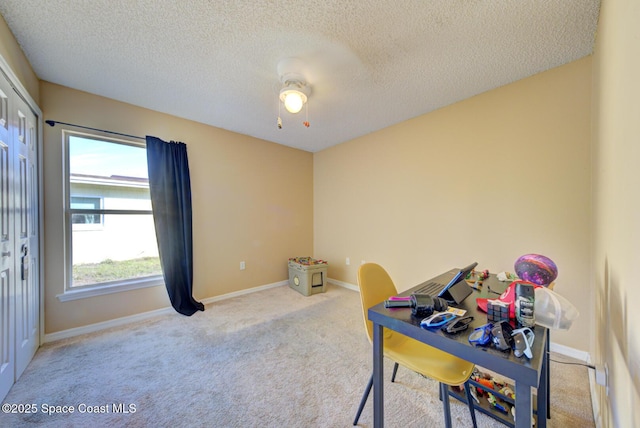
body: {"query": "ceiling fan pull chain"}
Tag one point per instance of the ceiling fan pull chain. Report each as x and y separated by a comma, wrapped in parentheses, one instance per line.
(306, 122)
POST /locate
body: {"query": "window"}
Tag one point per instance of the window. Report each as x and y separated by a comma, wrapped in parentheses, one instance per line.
(87, 203)
(110, 236)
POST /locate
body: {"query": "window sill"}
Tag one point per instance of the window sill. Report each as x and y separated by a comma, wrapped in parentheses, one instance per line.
(101, 290)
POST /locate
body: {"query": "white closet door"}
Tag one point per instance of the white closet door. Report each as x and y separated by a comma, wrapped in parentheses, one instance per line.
(26, 228)
(19, 235)
(7, 242)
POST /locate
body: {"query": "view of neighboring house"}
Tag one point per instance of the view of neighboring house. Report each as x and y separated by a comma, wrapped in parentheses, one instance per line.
(99, 236)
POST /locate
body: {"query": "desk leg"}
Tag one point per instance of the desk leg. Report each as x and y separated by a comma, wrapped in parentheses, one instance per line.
(378, 400)
(543, 393)
(546, 360)
(524, 408)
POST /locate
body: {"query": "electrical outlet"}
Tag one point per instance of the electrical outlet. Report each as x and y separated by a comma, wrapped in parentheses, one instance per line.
(602, 376)
(347, 261)
(362, 262)
(242, 265)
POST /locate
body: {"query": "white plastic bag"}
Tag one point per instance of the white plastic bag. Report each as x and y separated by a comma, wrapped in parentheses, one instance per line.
(553, 311)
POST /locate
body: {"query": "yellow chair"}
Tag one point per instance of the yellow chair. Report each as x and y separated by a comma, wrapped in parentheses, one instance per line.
(376, 286)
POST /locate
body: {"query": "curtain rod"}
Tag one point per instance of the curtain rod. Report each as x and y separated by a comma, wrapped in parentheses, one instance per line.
(54, 122)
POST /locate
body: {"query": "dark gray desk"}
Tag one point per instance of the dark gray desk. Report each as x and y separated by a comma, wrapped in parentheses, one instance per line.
(526, 373)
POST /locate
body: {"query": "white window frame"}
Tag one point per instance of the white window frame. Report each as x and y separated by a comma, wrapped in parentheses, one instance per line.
(98, 289)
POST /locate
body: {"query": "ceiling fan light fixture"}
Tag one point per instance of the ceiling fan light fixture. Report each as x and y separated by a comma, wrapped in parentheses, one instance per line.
(295, 91)
(294, 96)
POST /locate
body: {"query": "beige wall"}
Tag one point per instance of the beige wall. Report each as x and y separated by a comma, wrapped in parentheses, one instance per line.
(488, 179)
(252, 202)
(15, 58)
(616, 206)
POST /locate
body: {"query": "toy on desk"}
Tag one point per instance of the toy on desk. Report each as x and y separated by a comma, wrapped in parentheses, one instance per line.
(437, 320)
(457, 311)
(523, 340)
(502, 336)
(475, 278)
(400, 298)
(481, 335)
(508, 297)
(422, 305)
(506, 276)
(457, 325)
(497, 310)
(536, 268)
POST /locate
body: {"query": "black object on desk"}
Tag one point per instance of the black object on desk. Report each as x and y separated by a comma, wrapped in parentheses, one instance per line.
(525, 372)
(451, 285)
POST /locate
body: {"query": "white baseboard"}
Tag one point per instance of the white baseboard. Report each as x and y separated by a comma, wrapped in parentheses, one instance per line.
(343, 284)
(92, 328)
(243, 292)
(569, 352)
(595, 405)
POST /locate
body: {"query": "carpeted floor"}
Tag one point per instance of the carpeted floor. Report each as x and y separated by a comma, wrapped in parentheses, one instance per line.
(274, 358)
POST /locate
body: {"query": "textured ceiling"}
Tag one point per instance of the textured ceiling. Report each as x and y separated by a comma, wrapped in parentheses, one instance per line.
(370, 63)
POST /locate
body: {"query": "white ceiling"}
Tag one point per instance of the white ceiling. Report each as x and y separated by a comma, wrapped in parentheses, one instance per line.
(370, 63)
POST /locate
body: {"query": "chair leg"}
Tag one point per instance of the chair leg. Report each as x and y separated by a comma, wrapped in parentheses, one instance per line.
(367, 391)
(472, 409)
(395, 370)
(444, 393)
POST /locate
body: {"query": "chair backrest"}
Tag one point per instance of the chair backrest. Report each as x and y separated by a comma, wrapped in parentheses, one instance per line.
(375, 286)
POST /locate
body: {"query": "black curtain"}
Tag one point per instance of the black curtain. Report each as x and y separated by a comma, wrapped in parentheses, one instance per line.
(170, 188)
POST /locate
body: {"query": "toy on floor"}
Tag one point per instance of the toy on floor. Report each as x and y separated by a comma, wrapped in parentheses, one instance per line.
(307, 261)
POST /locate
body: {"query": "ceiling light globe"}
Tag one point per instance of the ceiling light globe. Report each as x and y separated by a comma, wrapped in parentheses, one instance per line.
(293, 101)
